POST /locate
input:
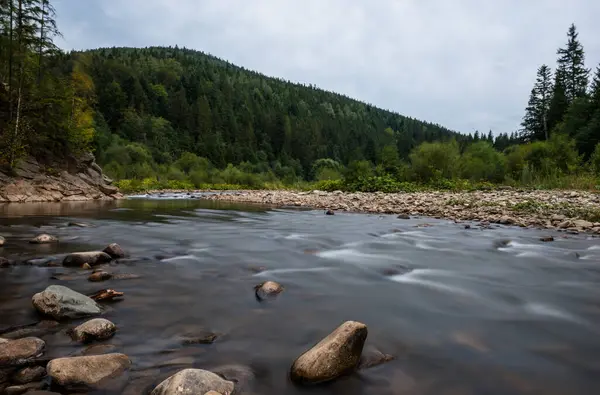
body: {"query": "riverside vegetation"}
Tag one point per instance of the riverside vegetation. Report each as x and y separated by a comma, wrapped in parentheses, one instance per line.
(173, 118)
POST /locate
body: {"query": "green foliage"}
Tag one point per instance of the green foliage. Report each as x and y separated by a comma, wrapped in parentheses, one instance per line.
(432, 161)
(481, 161)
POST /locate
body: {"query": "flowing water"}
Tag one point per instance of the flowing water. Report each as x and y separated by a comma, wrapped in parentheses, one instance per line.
(464, 311)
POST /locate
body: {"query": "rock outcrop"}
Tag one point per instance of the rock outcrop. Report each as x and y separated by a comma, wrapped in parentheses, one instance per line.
(78, 373)
(73, 179)
(96, 329)
(193, 382)
(337, 354)
(61, 302)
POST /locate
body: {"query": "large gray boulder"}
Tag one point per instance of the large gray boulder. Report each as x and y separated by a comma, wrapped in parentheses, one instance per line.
(96, 329)
(88, 371)
(61, 302)
(19, 352)
(337, 354)
(193, 382)
(92, 258)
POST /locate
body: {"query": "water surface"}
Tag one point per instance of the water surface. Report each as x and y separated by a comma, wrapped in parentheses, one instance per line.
(464, 311)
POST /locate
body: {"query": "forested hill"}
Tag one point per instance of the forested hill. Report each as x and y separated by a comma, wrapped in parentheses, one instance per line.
(176, 100)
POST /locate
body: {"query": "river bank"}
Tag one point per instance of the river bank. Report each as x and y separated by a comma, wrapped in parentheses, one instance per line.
(564, 210)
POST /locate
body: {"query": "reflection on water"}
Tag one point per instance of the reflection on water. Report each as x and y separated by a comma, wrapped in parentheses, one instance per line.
(463, 311)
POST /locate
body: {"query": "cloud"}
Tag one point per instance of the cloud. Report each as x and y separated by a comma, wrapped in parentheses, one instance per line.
(465, 64)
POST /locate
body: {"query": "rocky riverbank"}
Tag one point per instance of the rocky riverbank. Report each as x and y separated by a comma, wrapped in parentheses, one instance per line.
(73, 179)
(573, 211)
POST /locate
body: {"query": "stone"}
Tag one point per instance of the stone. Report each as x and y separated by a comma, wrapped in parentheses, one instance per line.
(268, 289)
(547, 239)
(43, 239)
(582, 224)
(29, 374)
(99, 276)
(403, 216)
(92, 258)
(2, 241)
(506, 220)
(107, 294)
(21, 351)
(79, 225)
(75, 373)
(336, 355)
(213, 393)
(115, 251)
(95, 329)
(194, 382)
(5, 262)
(372, 357)
(329, 212)
(61, 302)
(24, 388)
(558, 217)
(242, 376)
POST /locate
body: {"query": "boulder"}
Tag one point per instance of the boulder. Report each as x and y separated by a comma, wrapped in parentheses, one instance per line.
(61, 302)
(337, 354)
(268, 289)
(43, 239)
(194, 382)
(92, 258)
(76, 373)
(95, 329)
(24, 388)
(99, 276)
(21, 351)
(115, 251)
(108, 189)
(29, 375)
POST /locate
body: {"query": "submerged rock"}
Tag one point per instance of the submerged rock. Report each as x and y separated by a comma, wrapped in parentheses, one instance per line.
(61, 302)
(115, 251)
(43, 239)
(100, 276)
(92, 258)
(547, 239)
(329, 212)
(77, 373)
(403, 216)
(95, 329)
(21, 351)
(194, 382)
(107, 294)
(79, 225)
(24, 388)
(268, 289)
(337, 354)
(372, 357)
(29, 375)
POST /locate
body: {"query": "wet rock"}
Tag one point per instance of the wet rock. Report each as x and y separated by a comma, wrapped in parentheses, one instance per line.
(268, 289)
(403, 216)
(106, 295)
(5, 262)
(29, 375)
(242, 376)
(467, 226)
(40, 261)
(61, 302)
(99, 349)
(582, 224)
(329, 212)
(547, 239)
(24, 388)
(86, 266)
(38, 329)
(43, 239)
(100, 276)
(194, 382)
(95, 329)
(2, 241)
(41, 392)
(92, 258)
(76, 373)
(506, 220)
(372, 357)
(126, 276)
(79, 225)
(337, 354)
(21, 351)
(115, 251)
(204, 338)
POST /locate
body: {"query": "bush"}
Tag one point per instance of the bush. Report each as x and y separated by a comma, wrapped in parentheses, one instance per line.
(481, 161)
(435, 160)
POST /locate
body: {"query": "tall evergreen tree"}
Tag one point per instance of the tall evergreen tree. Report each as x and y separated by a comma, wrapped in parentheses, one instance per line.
(535, 121)
(572, 62)
(559, 103)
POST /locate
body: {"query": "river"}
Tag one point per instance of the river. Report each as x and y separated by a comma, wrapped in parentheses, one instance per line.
(464, 311)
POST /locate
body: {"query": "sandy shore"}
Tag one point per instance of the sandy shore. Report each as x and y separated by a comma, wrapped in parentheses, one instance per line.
(566, 210)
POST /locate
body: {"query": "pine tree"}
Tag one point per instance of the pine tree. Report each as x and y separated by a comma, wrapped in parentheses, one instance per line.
(572, 62)
(535, 121)
(559, 102)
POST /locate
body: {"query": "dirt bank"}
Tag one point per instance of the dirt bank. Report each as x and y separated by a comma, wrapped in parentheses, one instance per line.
(70, 180)
(566, 210)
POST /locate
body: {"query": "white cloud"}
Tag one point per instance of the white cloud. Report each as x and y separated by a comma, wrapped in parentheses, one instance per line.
(466, 64)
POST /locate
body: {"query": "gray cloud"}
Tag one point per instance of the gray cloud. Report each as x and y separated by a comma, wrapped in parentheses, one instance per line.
(465, 64)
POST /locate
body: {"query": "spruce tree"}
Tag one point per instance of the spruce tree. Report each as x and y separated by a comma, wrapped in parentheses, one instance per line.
(572, 62)
(535, 121)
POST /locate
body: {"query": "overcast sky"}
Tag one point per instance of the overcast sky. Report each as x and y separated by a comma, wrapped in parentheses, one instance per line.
(465, 64)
